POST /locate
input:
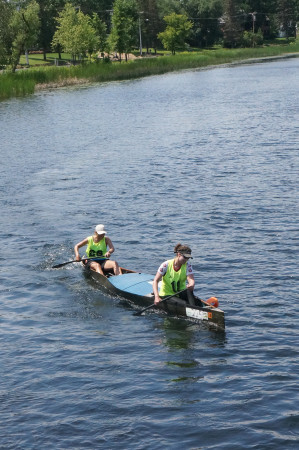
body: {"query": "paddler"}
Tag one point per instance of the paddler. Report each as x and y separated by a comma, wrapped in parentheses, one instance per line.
(176, 274)
(99, 245)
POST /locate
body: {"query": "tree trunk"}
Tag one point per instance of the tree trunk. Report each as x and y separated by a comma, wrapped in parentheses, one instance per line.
(15, 58)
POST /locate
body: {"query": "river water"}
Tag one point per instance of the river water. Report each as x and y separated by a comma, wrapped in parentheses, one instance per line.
(208, 158)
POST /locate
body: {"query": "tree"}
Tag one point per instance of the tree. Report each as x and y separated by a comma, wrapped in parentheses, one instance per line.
(124, 30)
(167, 7)
(286, 15)
(75, 33)
(99, 7)
(48, 11)
(24, 24)
(5, 32)
(151, 23)
(232, 31)
(260, 15)
(205, 15)
(177, 30)
(101, 30)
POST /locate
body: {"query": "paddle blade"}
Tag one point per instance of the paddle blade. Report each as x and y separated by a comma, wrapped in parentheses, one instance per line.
(138, 313)
(64, 264)
(59, 265)
(213, 301)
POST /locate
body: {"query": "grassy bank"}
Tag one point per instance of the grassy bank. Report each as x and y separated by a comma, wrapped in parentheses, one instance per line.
(25, 82)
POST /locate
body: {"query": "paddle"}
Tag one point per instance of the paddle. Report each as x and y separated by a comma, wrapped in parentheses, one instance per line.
(74, 260)
(212, 301)
(138, 313)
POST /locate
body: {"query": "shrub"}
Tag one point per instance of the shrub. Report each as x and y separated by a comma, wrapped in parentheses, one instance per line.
(250, 39)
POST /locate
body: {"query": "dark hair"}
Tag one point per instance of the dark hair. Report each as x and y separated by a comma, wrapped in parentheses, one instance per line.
(180, 248)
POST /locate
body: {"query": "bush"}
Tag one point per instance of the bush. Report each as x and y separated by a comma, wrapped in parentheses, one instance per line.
(250, 39)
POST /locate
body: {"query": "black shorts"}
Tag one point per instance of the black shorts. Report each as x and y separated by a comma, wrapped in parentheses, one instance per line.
(99, 261)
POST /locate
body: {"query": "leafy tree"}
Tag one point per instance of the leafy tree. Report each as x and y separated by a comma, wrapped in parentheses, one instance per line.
(177, 30)
(24, 24)
(63, 36)
(167, 7)
(101, 30)
(205, 15)
(286, 15)
(260, 14)
(124, 30)
(151, 23)
(5, 32)
(48, 11)
(75, 32)
(99, 7)
(232, 30)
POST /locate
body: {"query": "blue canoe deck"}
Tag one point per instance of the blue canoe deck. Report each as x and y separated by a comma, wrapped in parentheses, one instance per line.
(134, 283)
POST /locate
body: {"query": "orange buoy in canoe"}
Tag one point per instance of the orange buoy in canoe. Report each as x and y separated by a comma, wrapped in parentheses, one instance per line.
(213, 301)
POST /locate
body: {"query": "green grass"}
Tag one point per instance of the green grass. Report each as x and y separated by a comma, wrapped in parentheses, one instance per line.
(37, 59)
(23, 82)
(15, 87)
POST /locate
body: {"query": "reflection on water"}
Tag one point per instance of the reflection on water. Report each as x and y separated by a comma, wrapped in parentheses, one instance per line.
(183, 334)
(183, 364)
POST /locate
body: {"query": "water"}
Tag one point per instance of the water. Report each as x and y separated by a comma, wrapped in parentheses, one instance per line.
(208, 158)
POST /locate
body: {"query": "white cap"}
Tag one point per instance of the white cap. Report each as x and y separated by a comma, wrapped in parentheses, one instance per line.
(100, 229)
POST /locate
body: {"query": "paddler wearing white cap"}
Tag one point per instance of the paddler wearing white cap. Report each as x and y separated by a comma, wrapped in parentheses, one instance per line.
(98, 245)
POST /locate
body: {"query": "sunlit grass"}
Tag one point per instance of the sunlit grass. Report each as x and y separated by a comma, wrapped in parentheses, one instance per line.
(23, 82)
(37, 59)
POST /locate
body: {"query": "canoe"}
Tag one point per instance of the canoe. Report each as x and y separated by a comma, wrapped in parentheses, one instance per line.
(137, 288)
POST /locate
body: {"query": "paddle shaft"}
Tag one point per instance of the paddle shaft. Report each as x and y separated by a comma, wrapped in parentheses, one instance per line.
(204, 302)
(138, 313)
(80, 260)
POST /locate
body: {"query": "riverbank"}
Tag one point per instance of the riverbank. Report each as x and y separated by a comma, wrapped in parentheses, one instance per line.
(26, 82)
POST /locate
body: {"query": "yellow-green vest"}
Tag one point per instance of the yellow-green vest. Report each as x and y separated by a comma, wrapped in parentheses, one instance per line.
(173, 281)
(96, 249)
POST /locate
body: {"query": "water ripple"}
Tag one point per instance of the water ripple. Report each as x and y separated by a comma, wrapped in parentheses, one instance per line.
(211, 159)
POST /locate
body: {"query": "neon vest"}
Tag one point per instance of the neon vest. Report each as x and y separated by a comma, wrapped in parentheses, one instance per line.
(173, 281)
(96, 248)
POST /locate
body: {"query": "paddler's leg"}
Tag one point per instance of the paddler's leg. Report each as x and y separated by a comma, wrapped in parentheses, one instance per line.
(96, 267)
(109, 264)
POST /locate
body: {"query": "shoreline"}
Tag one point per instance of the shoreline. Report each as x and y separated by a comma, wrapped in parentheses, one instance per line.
(37, 79)
(62, 83)
(75, 81)
(267, 58)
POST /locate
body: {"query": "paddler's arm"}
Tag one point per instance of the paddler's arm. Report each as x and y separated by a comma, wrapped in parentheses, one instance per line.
(79, 245)
(155, 287)
(111, 247)
(191, 282)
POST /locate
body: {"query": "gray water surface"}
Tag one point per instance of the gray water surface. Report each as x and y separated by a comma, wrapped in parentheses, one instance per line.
(208, 158)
